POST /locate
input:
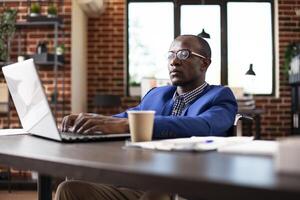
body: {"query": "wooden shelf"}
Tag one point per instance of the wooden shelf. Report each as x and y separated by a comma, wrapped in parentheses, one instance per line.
(47, 59)
(46, 63)
(37, 24)
(43, 18)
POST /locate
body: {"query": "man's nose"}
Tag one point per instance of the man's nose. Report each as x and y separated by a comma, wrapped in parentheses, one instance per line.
(175, 61)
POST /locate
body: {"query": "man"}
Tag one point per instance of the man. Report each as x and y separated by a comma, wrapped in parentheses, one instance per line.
(190, 107)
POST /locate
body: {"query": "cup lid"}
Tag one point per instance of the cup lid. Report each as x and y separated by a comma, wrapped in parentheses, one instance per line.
(140, 111)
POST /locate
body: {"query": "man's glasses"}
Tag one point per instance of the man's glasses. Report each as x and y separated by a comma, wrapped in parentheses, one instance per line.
(183, 54)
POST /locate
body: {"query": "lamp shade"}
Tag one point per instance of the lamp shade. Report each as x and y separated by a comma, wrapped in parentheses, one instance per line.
(203, 34)
(250, 70)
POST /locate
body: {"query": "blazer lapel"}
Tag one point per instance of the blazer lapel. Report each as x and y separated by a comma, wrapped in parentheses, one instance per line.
(167, 108)
(184, 112)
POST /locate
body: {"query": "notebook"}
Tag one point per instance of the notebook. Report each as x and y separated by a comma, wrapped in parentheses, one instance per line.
(33, 108)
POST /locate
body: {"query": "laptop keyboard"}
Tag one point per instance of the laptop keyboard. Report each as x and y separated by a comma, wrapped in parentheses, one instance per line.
(73, 137)
(77, 136)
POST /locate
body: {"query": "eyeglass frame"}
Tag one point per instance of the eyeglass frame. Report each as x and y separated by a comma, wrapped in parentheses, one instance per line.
(189, 51)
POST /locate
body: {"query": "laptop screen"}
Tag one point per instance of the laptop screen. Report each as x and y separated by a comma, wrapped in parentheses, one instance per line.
(29, 98)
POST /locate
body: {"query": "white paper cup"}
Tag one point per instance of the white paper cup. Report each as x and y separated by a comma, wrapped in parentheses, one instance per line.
(141, 125)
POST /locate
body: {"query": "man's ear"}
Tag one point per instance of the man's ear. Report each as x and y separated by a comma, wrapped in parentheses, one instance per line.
(205, 64)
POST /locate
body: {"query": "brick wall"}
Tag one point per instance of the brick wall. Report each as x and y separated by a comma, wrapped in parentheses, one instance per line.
(107, 72)
(106, 65)
(277, 118)
(29, 39)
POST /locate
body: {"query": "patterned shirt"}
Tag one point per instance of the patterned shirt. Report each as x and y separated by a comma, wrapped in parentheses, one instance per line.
(183, 100)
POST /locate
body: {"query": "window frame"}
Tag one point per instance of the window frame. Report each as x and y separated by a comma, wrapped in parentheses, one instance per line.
(224, 33)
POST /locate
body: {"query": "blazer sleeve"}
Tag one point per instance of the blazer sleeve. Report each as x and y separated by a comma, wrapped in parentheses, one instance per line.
(214, 121)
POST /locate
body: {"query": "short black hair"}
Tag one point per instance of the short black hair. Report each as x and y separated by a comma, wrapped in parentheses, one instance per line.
(204, 47)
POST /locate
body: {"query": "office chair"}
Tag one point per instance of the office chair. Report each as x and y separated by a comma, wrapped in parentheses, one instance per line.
(239, 118)
(107, 102)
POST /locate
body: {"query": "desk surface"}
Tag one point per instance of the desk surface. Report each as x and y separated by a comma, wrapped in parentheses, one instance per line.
(208, 175)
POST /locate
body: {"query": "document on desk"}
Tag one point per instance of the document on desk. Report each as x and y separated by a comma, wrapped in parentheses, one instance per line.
(190, 144)
(18, 131)
(255, 147)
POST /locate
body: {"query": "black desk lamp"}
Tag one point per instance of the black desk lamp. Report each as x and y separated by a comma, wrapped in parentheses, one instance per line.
(250, 70)
(203, 34)
(249, 80)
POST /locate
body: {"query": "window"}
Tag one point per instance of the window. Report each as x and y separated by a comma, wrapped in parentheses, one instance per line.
(250, 42)
(194, 18)
(242, 33)
(150, 36)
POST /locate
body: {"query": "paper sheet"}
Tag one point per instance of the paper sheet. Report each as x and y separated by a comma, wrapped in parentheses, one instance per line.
(256, 147)
(190, 144)
(12, 132)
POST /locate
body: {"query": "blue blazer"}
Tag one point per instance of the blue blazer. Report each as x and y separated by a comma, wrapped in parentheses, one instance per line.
(211, 113)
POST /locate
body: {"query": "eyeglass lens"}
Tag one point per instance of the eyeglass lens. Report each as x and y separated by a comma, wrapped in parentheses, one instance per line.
(181, 54)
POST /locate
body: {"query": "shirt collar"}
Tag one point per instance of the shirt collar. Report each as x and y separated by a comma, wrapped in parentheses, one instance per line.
(191, 95)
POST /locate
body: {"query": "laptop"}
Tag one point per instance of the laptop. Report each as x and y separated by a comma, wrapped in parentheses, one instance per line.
(33, 108)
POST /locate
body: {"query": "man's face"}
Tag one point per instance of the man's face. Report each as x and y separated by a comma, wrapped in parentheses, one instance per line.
(190, 70)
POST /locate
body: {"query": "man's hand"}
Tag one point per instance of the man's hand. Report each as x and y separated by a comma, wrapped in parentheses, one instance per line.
(87, 123)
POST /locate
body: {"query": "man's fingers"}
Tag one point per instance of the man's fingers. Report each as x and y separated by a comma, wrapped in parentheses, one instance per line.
(79, 117)
(79, 121)
(93, 130)
(88, 124)
(80, 124)
(67, 122)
